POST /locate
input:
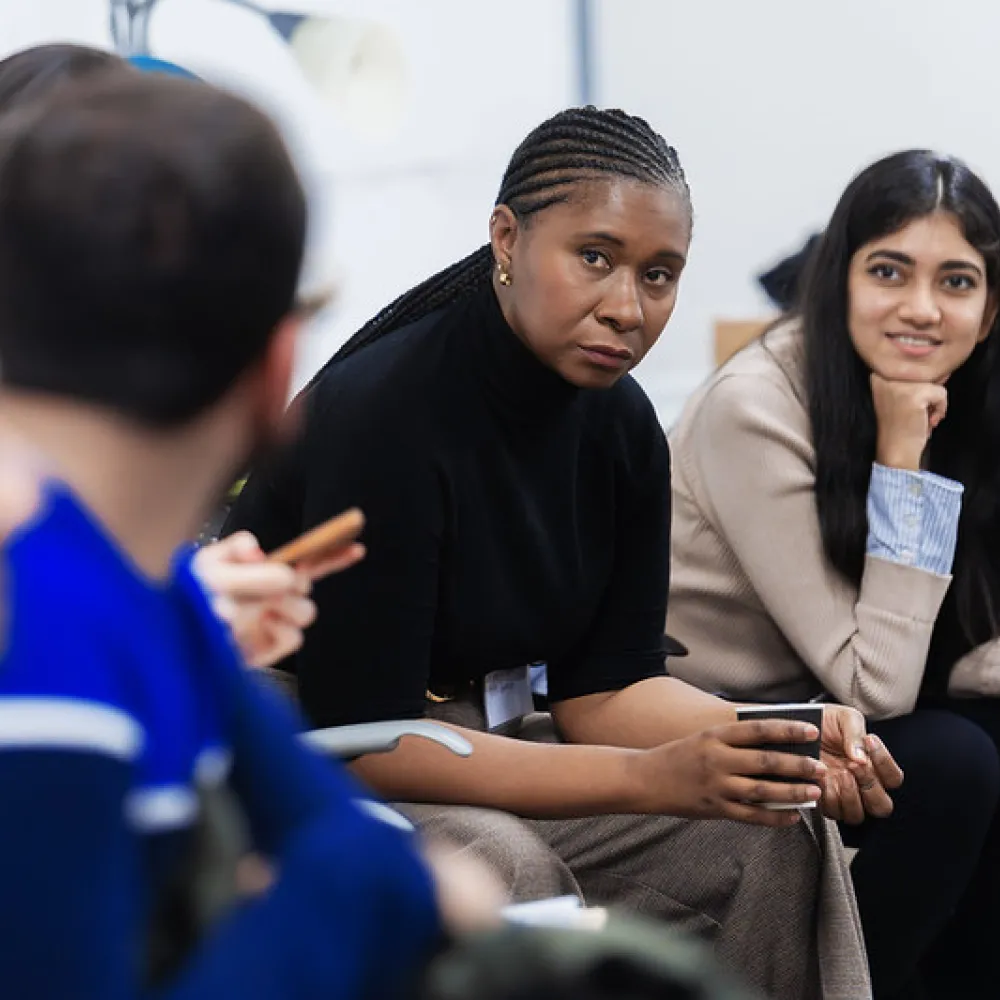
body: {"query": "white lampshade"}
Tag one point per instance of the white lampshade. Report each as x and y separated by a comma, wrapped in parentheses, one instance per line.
(357, 67)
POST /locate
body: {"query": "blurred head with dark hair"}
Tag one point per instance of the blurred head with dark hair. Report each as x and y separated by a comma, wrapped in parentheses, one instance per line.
(35, 73)
(151, 233)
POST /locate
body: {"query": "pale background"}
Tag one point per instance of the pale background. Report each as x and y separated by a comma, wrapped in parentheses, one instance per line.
(773, 106)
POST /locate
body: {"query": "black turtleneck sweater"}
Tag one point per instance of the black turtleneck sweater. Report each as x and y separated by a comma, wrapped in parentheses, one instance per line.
(512, 519)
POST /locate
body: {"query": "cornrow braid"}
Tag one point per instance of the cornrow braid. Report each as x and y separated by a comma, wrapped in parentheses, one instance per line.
(576, 145)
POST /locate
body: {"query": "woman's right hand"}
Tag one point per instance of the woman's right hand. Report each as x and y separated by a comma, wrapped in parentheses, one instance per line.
(907, 413)
(722, 774)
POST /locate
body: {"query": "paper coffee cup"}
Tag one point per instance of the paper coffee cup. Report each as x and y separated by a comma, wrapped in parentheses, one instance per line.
(804, 712)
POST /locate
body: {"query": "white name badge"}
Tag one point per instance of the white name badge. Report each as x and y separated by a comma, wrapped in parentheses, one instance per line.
(507, 695)
(539, 674)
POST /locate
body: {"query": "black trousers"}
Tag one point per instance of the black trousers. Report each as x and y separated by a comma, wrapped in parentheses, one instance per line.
(927, 878)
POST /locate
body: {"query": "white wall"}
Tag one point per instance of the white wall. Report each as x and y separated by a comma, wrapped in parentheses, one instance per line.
(480, 83)
(773, 106)
(385, 213)
(388, 213)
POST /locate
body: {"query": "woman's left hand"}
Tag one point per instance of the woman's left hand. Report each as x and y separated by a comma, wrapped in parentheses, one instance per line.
(860, 770)
(266, 604)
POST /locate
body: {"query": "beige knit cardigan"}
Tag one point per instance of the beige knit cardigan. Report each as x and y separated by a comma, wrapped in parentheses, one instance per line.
(764, 614)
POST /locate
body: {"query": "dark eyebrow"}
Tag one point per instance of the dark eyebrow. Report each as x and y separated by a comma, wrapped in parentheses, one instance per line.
(601, 237)
(617, 241)
(670, 255)
(902, 258)
(961, 265)
(899, 258)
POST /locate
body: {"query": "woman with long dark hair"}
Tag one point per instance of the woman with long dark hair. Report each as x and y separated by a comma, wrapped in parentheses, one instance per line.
(837, 505)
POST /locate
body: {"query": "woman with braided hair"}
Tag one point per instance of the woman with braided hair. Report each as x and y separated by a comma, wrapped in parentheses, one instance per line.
(517, 488)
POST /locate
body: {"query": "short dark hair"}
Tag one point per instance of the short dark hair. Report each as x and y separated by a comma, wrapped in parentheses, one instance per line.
(35, 73)
(151, 235)
(881, 200)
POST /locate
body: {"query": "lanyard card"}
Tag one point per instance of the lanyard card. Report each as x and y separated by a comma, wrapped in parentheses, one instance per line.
(507, 697)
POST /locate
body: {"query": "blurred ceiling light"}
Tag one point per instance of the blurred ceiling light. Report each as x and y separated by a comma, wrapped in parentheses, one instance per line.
(356, 66)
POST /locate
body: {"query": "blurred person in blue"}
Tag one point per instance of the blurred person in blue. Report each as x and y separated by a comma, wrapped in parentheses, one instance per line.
(151, 233)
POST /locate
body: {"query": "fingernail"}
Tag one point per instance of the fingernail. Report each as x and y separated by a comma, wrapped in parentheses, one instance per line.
(858, 752)
(873, 742)
(813, 793)
(810, 732)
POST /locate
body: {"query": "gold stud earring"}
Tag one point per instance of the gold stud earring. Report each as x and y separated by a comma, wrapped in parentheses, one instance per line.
(503, 274)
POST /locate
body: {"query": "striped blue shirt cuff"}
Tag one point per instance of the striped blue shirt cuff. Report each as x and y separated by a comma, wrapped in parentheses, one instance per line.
(913, 518)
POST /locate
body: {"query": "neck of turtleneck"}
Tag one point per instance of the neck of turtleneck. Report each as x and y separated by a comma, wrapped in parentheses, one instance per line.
(516, 382)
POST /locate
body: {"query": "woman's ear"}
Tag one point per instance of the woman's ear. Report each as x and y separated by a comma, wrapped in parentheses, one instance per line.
(504, 230)
(989, 318)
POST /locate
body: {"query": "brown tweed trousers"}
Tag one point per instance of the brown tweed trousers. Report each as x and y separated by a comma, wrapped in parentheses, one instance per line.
(776, 905)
